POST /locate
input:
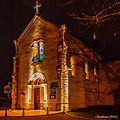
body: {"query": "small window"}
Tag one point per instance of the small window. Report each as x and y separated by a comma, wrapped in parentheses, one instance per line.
(86, 70)
(95, 70)
(73, 66)
(59, 48)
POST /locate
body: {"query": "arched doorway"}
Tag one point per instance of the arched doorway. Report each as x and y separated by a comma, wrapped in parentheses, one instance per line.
(37, 90)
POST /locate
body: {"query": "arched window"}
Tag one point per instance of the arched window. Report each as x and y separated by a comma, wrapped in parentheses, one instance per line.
(41, 51)
(86, 70)
(38, 51)
(37, 79)
(95, 70)
(35, 53)
(73, 66)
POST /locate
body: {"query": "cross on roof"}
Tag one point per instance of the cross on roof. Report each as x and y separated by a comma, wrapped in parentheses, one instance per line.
(64, 28)
(36, 7)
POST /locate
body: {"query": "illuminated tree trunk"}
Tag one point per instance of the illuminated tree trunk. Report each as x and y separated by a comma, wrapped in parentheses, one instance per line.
(64, 76)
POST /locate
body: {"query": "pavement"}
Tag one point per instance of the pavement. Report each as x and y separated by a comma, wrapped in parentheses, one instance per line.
(26, 112)
(58, 116)
(37, 115)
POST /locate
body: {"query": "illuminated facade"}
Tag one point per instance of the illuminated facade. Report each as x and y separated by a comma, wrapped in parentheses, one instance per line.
(53, 69)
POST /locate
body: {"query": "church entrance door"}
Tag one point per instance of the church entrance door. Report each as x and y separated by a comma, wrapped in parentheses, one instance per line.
(37, 91)
(36, 98)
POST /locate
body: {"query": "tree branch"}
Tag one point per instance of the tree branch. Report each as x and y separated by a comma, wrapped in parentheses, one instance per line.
(100, 17)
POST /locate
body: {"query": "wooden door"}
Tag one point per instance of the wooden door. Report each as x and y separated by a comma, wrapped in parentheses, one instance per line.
(37, 98)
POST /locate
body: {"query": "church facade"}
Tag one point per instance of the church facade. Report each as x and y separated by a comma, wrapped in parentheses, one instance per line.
(54, 69)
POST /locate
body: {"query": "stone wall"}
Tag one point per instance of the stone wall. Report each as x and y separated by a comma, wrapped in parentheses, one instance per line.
(82, 92)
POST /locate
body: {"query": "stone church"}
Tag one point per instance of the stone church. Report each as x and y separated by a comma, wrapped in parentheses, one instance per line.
(54, 69)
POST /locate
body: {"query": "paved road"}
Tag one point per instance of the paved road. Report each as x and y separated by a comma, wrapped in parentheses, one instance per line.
(43, 117)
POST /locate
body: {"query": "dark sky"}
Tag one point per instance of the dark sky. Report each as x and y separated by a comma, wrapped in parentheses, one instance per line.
(14, 18)
(16, 14)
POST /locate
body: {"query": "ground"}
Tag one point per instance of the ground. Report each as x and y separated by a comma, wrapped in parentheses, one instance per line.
(53, 115)
(45, 117)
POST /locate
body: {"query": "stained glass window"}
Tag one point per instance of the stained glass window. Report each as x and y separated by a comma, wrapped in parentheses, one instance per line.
(38, 51)
(35, 53)
(41, 51)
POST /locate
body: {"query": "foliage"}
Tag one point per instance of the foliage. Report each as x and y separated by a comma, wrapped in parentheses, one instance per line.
(54, 85)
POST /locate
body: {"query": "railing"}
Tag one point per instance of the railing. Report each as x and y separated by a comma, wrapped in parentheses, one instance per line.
(24, 112)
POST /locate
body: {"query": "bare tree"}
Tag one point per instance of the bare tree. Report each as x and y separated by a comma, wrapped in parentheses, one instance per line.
(99, 17)
(65, 2)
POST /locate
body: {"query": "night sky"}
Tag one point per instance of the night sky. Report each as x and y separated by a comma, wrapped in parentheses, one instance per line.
(14, 18)
(16, 14)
